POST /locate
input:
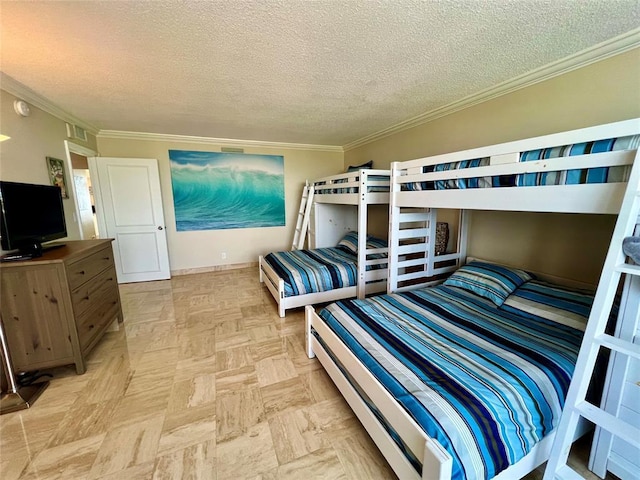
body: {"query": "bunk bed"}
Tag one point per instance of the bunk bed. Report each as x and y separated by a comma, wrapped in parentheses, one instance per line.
(339, 263)
(418, 365)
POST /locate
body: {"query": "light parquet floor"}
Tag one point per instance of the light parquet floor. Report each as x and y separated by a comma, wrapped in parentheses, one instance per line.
(203, 381)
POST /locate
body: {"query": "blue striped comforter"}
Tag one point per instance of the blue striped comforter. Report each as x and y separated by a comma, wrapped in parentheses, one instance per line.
(317, 270)
(488, 384)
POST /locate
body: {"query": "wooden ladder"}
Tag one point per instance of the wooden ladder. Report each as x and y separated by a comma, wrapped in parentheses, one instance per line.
(620, 343)
(302, 223)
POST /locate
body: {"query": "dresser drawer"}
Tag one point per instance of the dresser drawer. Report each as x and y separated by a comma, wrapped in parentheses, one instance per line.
(87, 268)
(93, 291)
(95, 319)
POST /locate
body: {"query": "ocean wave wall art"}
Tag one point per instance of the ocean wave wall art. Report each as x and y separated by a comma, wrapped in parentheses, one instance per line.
(214, 190)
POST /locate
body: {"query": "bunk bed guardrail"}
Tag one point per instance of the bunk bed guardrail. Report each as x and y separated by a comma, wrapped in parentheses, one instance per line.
(596, 158)
(580, 171)
(372, 186)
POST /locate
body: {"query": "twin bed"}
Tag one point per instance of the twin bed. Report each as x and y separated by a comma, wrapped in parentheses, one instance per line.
(340, 263)
(467, 378)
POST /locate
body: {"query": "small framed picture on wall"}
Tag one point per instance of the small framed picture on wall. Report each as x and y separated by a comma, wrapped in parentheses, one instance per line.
(57, 177)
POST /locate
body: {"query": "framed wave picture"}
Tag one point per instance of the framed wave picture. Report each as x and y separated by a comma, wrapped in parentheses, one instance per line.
(219, 190)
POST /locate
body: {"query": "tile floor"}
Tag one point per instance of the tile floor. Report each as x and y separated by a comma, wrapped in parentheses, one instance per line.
(203, 381)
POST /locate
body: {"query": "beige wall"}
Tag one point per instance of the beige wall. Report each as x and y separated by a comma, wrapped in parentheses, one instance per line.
(202, 249)
(573, 246)
(33, 138)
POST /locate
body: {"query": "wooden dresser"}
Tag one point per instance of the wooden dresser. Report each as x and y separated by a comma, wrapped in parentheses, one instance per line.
(55, 308)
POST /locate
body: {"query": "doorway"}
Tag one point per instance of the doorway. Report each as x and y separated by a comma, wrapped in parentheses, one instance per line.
(82, 189)
(86, 204)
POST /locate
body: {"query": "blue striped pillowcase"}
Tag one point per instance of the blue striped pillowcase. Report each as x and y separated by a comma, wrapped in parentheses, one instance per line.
(350, 242)
(559, 304)
(375, 242)
(495, 282)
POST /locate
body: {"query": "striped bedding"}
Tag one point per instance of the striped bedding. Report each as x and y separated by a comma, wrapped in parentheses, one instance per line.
(317, 270)
(535, 299)
(564, 177)
(487, 382)
(324, 269)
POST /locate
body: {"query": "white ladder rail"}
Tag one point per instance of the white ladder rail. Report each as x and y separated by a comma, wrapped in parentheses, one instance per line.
(595, 338)
(302, 222)
(616, 376)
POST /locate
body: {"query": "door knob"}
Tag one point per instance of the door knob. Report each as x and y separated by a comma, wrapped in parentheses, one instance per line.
(159, 228)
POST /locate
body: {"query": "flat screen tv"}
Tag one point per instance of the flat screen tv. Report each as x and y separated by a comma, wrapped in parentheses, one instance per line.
(30, 215)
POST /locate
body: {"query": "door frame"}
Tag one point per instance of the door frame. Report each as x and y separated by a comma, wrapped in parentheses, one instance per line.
(97, 195)
(70, 148)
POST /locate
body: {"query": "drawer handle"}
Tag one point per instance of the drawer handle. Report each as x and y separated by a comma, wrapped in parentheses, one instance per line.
(81, 272)
(86, 298)
(106, 258)
(91, 327)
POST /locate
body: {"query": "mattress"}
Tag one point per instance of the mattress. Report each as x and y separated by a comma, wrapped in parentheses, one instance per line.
(487, 382)
(313, 271)
(324, 269)
(562, 177)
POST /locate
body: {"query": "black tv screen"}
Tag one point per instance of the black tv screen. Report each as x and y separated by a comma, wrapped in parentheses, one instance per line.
(30, 215)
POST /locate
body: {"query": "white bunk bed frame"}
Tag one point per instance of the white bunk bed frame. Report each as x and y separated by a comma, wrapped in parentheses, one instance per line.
(331, 190)
(582, 198)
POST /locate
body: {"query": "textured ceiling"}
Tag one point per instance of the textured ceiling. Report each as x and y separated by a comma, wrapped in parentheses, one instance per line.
(314, 72)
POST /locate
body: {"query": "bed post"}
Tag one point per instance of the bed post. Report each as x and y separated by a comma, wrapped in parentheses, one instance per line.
(394, 226)
(361, 289)
(431, 244)
(463, 236)
(308, 315)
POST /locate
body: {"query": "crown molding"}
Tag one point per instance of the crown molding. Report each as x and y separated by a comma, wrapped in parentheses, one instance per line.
(23, 92)
(602, 51)
(161, 137)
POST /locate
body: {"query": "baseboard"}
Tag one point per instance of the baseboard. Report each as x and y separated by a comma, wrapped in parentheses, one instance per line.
(214, 268)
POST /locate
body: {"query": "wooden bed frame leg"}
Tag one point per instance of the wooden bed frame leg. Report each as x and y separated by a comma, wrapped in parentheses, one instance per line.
(260, 268)
(308, 314)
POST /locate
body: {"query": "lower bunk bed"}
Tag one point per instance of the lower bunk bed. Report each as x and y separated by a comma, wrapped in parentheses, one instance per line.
(307, 277)
(464, 380)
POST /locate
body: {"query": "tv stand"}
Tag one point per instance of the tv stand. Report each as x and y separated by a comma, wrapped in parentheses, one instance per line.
(55, 308)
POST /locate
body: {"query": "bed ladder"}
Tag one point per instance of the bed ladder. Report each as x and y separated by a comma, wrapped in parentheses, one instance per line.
(620, 343)
(302, 223)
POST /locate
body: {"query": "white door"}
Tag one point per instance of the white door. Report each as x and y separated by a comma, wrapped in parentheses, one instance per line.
(129, 207)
